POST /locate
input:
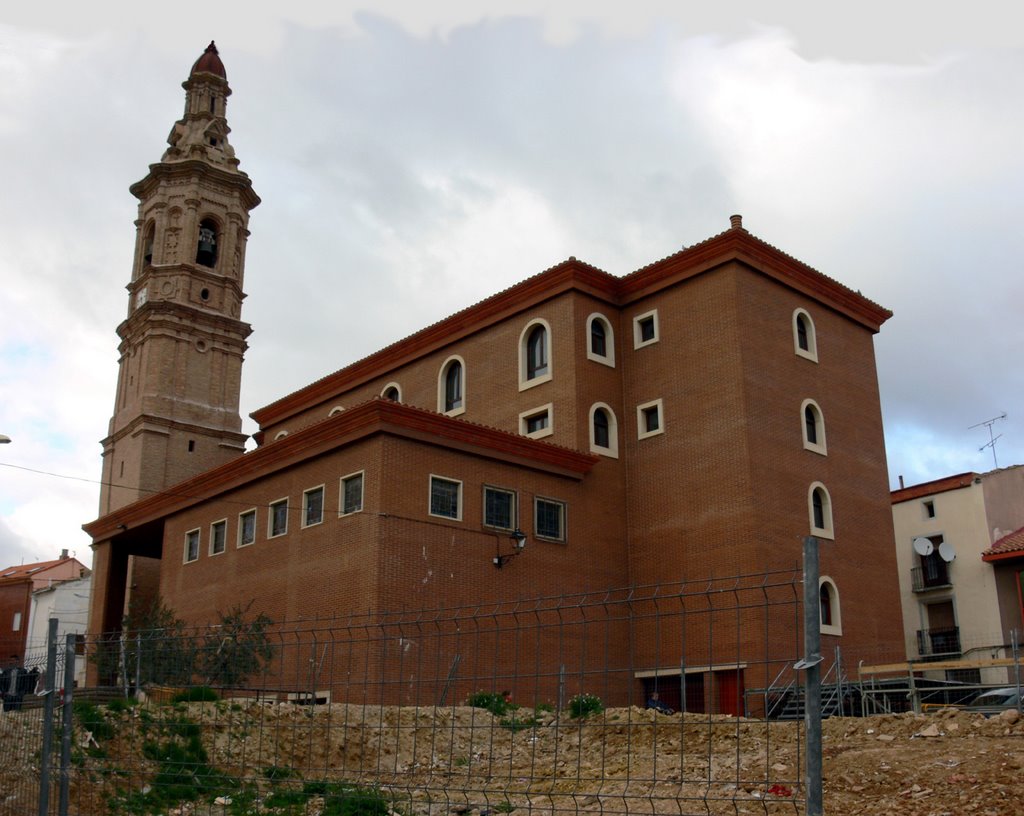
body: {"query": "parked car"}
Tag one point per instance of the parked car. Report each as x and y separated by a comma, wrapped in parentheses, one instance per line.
(993, 701)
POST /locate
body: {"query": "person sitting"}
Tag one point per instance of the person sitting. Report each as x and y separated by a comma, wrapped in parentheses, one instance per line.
(656, 704)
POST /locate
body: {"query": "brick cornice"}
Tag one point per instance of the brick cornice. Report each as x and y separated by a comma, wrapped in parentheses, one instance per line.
(374, 417)
(943, 485)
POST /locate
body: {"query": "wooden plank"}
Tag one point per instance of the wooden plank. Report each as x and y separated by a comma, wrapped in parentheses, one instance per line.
(940, 665)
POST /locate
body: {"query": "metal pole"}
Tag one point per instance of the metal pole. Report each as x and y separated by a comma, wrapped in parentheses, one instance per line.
(47, 747)
(65, 743)
(812, 676)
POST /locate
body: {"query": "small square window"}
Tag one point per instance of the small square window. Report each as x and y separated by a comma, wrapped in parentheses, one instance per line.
(246, 528)
(278, 518)
(352, 493)
(645, 329)
(649, 419)
(191, 546)
(445, 498)
(549, 519)
(499, 508)
(536, 423)
(218, 537)
(313, 506)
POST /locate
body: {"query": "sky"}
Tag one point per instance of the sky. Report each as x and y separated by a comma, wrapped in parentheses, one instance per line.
(414, 158)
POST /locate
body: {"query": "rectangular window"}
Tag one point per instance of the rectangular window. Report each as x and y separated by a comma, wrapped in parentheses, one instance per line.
(246, 528)
(499, 508)
(278, 518)
(218, 536)
(313, 506)
(191, 546)
(645, 329)
(929, 509)
(549, 519)
(351, 493)
(445, 498)
(648, 419)
(537, 422)
(16, 623)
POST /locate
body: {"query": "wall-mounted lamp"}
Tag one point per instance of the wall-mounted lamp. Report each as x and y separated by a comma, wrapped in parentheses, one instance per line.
(518, 539)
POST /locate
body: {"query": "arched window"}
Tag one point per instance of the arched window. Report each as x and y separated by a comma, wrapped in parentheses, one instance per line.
(337, 409)
(813, 427)
(147, 244)
(392, 392)
(828, 596)
(451, 386)
(805, 342)
(206, 248)
(534, 354)
(604, 430)
(600, 340)
(820, 511)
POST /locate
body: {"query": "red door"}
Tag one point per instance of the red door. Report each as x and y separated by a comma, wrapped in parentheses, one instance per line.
(730, 692)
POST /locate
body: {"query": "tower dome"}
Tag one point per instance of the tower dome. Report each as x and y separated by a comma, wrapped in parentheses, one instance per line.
(209, 63)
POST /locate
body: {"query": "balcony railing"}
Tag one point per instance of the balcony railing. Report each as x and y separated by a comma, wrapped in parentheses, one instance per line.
(938, 643)
(930, 576)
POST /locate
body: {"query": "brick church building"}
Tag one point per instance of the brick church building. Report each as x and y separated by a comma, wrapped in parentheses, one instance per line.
(696, 417)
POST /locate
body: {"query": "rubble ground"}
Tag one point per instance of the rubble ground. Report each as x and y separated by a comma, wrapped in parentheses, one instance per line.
(435, 761)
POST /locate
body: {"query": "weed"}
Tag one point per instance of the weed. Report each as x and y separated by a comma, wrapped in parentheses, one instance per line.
(514, 723)
(278, 773)
(583, 705)
(504, 807)
(196, 694)
(497, 704)
(92, 719)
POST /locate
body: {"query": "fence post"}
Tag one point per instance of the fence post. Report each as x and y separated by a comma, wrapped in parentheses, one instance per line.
(811, 664)
(65, 742)
(46, 750)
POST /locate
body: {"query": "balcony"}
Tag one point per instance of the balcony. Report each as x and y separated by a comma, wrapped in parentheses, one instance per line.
(938, 644)
(934, 574)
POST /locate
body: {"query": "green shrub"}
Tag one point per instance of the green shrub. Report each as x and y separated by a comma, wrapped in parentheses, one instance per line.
(514, 723)
(497, 704)
(583, 705)
(92, 719)
(196, 694)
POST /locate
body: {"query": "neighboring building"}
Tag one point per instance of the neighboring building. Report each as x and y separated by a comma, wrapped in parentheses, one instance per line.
(697, 417)
(68, 602)
(959, 567)
(16, 587)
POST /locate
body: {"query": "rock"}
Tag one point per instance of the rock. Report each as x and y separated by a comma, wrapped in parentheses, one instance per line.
(1010, 716)
(931, 731)
(885, 737)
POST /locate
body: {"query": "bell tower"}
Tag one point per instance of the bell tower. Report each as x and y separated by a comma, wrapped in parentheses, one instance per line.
(183, 341)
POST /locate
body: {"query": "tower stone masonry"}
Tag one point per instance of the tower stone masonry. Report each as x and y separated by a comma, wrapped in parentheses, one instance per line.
(176, 411)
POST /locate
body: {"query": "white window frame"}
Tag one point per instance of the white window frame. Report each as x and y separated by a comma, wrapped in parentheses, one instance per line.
(224, 539)
(305, 506)
(241, 524)
(609, 340)
(638, 341)
(564, 518)
(442, 376)
(525, 416)
(361, 475)
(524, 382)
(811, 352)
(836, 627)
(199, 545)
(16, 622)
(398, 388)
(270, 518)
(513, 513)
(828, 531)
(430, 497)
(641, 419)
(612, 450)
(819, 425)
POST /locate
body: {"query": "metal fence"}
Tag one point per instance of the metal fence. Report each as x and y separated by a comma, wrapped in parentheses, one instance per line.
(613, 702)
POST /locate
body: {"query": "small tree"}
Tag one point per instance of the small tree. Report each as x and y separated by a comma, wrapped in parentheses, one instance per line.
(236, 648)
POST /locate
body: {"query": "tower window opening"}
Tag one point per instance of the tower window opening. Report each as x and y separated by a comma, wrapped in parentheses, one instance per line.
(213, 104)
(204, 294)
(213, 141)
(191, 446)
(147, 245)
(206, 251)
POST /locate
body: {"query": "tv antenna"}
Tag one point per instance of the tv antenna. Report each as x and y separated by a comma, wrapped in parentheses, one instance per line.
(992, 438)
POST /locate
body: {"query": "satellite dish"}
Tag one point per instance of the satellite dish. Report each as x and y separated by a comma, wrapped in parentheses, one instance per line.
(946, 552)
(923, 547)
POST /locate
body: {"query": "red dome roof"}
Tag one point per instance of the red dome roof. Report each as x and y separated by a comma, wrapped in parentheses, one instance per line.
(209, 63)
